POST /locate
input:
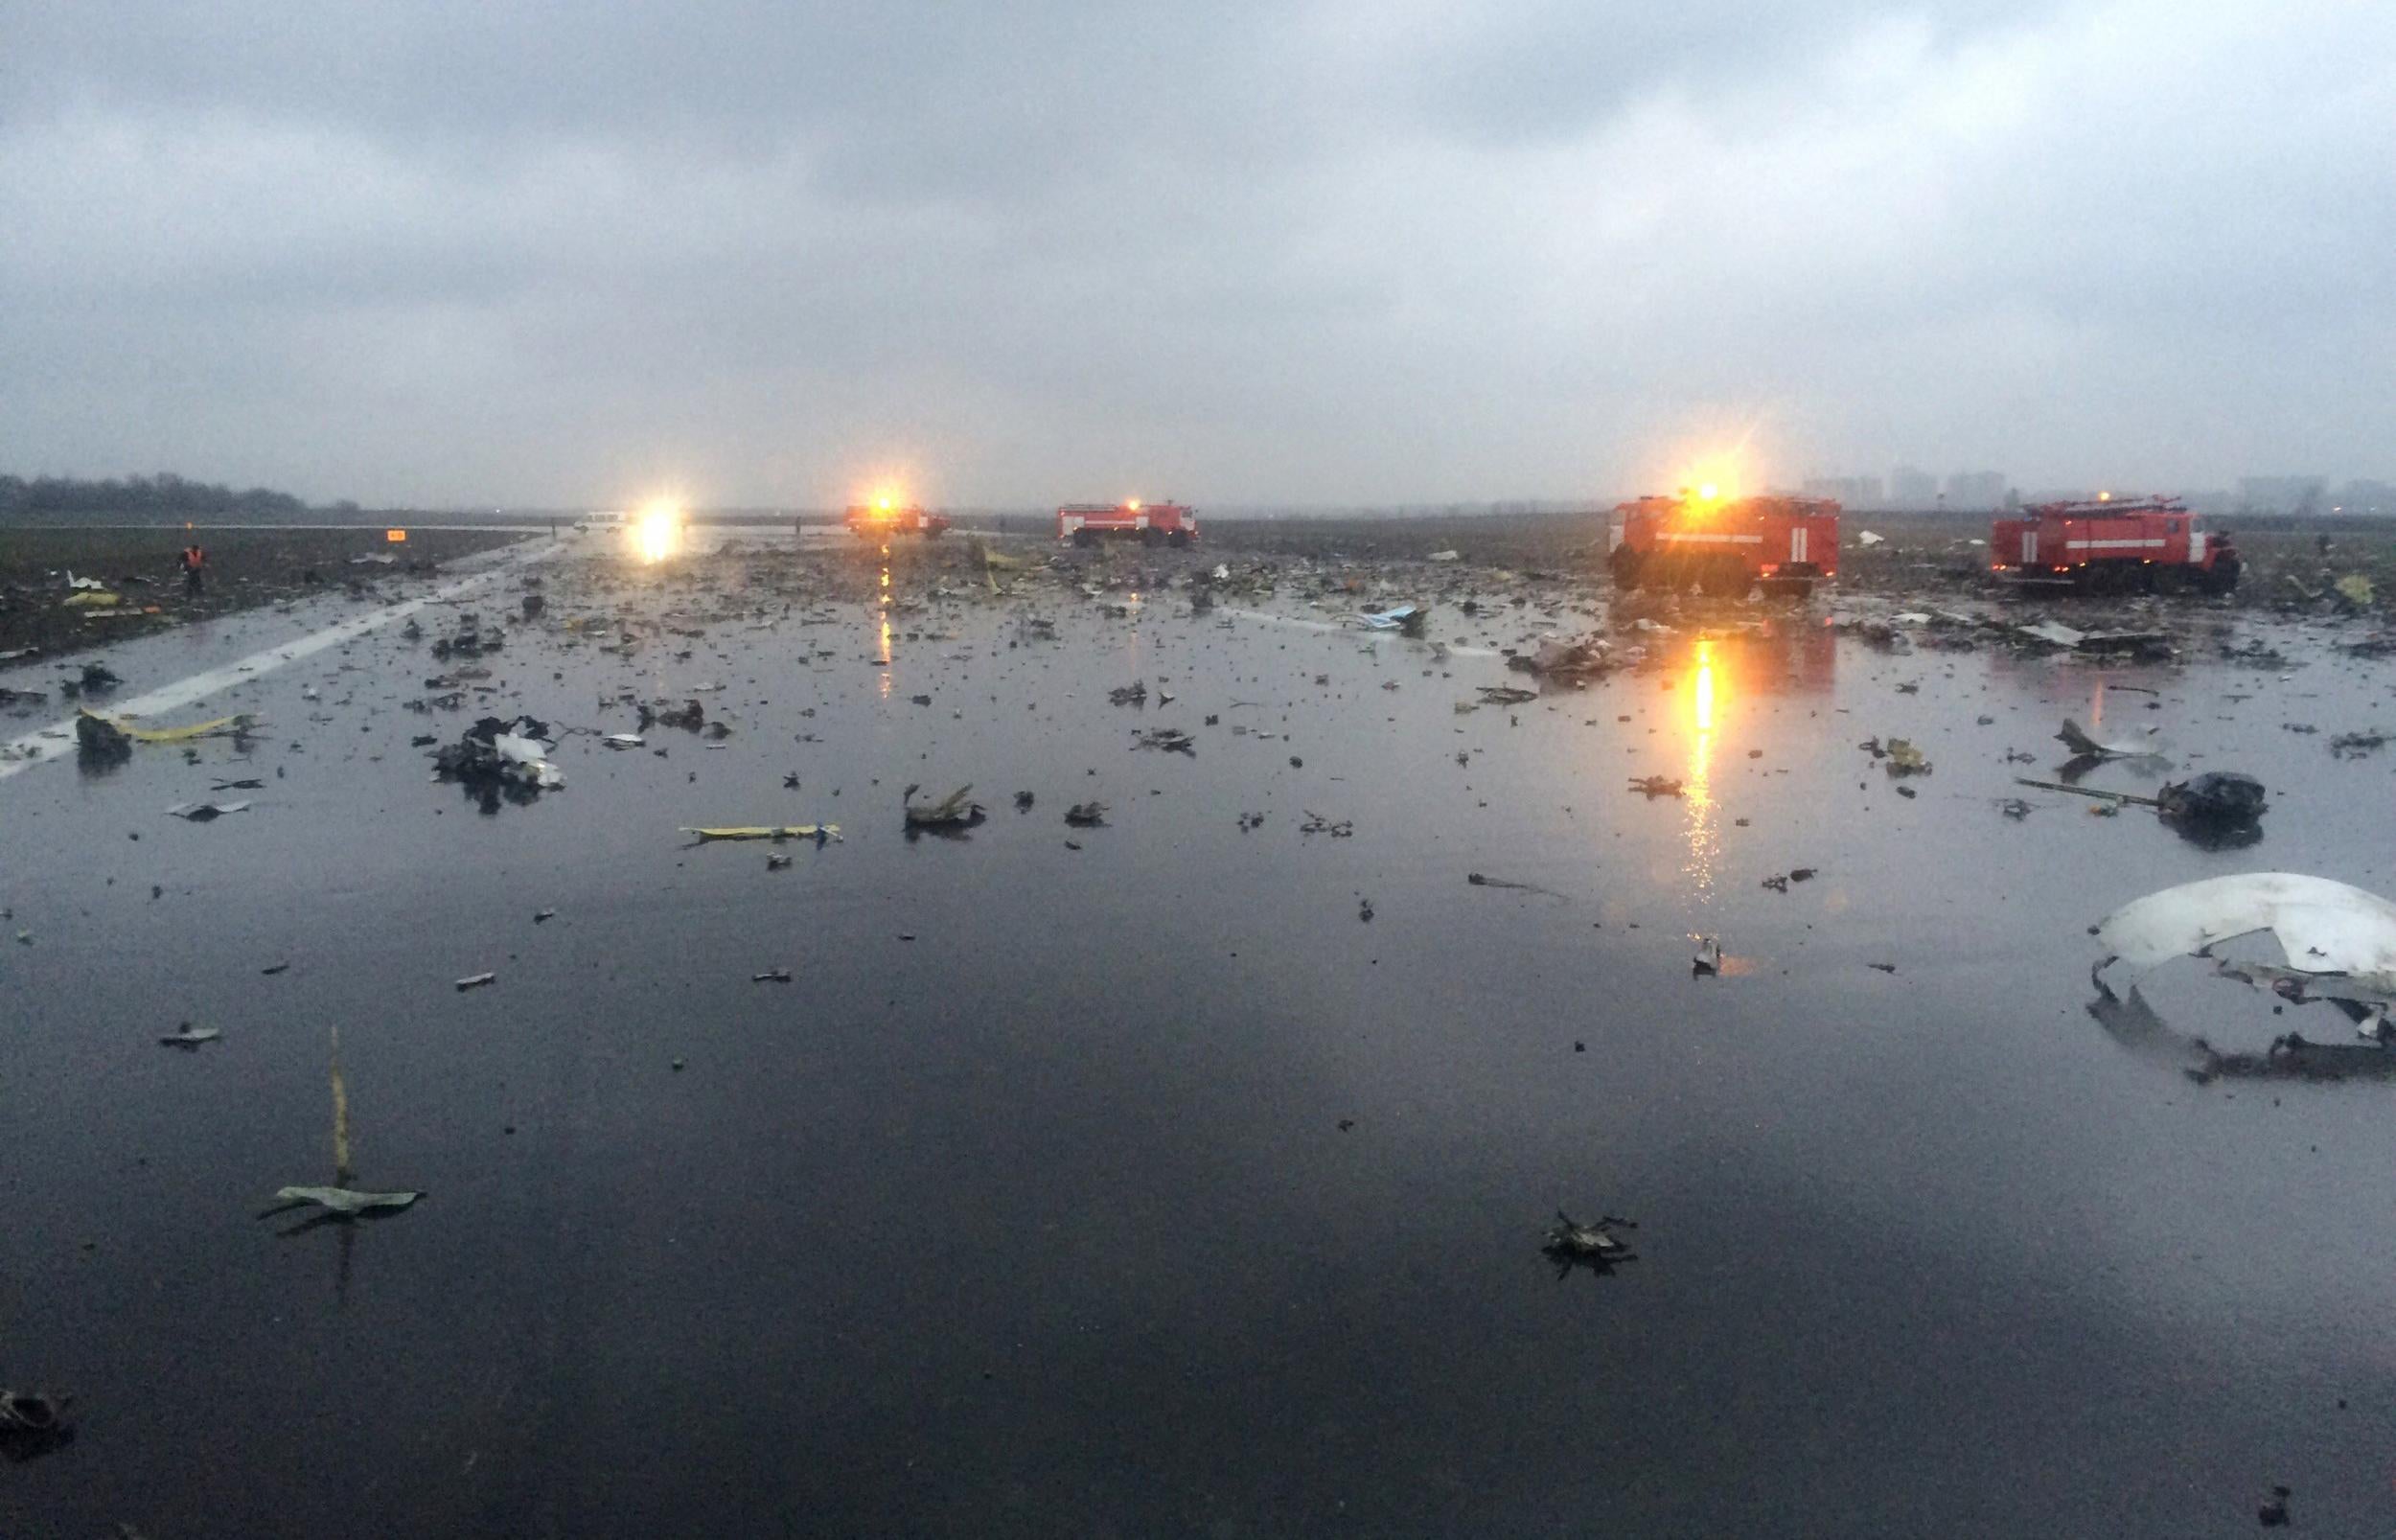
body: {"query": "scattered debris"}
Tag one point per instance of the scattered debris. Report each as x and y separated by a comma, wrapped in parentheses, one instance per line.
(220, 727)
(475, 982)
(1405, 620)
(339, 1203)
(1708, 962)
(1505, 695)
(771, 975)
(205, 812)
(2223, 798)
(2083, 746)
(501, 758)
(1656, 786)
(1172, 740)
(1023, 801)
(188, 1036)
(2356, 745)
(2340, 941)
(32, 1413)
(99, 740)
(819, 832)
(955, 810)
(1562, 659)
(1133, 693)
(624, 740)
(1570, 1244)
(1477, 880)
(1317, 823)
(1086, 814)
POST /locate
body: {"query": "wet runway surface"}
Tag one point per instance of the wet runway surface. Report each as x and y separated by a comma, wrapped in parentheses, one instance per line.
(1143, 1188)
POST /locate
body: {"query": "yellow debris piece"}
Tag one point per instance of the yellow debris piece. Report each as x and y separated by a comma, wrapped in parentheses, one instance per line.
(768, 831)
(92, 599)
(173, 735)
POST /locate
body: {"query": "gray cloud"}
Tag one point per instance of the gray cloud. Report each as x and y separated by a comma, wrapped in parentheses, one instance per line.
(1345, 252)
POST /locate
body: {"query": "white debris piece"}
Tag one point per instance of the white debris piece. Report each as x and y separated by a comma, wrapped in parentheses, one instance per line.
(530, 754)
(2076, 739)
(2054, 633)
(202, 811)
(1385, 619)
(2324, 927)
(1445, 556)
(1867, 540)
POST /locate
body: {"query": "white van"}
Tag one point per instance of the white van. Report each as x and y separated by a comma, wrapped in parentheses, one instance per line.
(612, 522)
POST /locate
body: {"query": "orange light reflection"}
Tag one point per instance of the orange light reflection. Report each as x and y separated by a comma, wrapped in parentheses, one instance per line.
(1704, 834)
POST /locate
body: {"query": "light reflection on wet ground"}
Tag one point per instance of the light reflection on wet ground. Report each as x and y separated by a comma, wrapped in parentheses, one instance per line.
(1047, 1220)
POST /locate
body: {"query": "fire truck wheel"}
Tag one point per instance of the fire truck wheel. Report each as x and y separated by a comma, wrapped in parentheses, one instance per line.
(1627, 569)
(2167, 578)
(1152, 537)
(1085, 537)
(1179, 539)
(1725, 579)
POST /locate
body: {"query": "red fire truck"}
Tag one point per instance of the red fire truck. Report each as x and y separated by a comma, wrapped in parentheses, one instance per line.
(1149, 523)
(2115, 545)
(1725, 546)
(883, 520)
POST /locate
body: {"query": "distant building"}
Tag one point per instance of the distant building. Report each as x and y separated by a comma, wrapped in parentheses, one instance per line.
(1911, 487)
(1976, 489)
(2362, 496)
(1853, 491)
(2284, 495)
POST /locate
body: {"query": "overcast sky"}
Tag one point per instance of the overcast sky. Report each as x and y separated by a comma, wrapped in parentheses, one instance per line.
(1360, 251)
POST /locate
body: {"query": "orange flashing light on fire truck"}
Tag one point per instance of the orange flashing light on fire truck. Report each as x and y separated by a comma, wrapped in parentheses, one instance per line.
(1149, 523)
(2115, 545)
(1725, 546)
(883, 518)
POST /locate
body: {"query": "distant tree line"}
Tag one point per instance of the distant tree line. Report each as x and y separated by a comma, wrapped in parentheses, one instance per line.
(166, 495)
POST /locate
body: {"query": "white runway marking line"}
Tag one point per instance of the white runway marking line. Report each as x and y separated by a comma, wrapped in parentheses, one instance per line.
(38, 747)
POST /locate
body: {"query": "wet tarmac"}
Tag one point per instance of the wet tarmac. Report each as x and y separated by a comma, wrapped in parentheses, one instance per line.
(1123, 1180)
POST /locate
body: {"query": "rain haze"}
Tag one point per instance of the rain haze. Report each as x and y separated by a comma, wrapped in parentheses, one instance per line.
(1271, 256)
(1197, 771)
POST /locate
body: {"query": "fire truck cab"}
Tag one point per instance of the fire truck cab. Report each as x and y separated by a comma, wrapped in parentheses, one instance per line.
(2115, 545)
(882, 520)
(1724, 546)
(1149, 523)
